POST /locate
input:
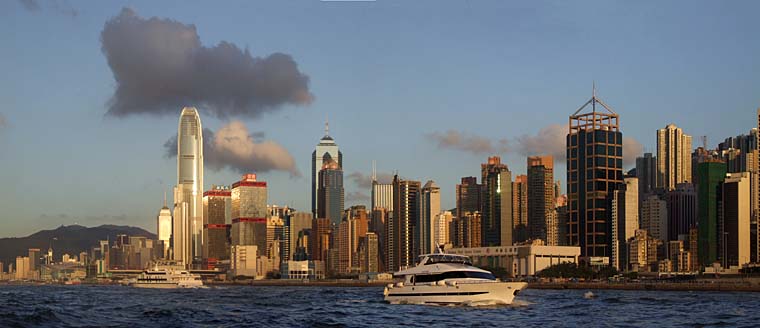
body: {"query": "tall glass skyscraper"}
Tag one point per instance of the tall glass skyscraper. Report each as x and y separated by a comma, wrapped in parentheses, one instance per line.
(594, 172)
(330, 194)
(326, 146)
(188, 193)
(497, 221)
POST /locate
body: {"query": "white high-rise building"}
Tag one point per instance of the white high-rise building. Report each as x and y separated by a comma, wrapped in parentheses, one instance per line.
(326, 146)
(188, 193)
(164, 226)
(631, 207)
(429, 208)
(441, 228)
(673, 157)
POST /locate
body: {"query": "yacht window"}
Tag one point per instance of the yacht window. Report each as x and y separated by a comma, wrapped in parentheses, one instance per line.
(433, 259)
(453, 275)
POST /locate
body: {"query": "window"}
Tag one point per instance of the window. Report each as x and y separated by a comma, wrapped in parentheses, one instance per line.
(453, 275)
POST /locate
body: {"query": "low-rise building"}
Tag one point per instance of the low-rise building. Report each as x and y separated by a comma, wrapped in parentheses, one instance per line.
(520, 260)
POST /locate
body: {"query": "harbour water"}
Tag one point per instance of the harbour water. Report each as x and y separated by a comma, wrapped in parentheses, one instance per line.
(268, 306)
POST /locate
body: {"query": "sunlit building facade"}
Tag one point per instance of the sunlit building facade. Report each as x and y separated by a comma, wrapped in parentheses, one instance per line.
(188, 193)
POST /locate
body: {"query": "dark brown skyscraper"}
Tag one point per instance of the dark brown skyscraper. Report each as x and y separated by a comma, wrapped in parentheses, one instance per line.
(520, 208)
(594, 170)
(540, 196)
(468, 196)
(217, 212)
(406, 197)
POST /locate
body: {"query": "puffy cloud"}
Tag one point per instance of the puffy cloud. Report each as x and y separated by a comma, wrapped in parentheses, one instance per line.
(364, 181)
(452, 139)
(235, 148)
(159, 65)
(550, 140)
(631, 150)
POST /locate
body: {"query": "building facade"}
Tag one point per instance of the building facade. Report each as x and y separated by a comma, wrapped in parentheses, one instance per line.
(430, 207)
(330, 193)
(188, 204)
(673, 157)
(594, 170)
(326, 146)
(249, 213)
(520, 208)
(710, 174)
(540, 197)
(406, 213)
(497, 221)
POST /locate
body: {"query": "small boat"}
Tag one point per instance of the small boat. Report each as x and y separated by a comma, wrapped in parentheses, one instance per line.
(450, 279)
(166, 278)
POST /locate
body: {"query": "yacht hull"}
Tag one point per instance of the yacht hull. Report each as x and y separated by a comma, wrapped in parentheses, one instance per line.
(463, 293)
(167, 285)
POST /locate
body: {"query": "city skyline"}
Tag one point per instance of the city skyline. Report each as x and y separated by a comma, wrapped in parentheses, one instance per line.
(82, 158)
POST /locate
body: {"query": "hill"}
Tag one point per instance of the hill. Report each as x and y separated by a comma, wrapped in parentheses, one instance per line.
(71, 239)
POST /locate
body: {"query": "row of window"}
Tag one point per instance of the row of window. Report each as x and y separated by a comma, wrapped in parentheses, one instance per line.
(597, 137)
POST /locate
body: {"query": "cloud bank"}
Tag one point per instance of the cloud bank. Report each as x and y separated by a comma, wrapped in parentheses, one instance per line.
(452, 139)
(364, 181)
(233, 147)
(549, 140)
(159, 66)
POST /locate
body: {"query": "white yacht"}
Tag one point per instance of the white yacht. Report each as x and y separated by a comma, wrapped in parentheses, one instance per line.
(450, 279)
(167, 278)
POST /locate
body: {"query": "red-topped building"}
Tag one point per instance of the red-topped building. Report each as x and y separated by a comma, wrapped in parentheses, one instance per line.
(249, 212)
(217, 215)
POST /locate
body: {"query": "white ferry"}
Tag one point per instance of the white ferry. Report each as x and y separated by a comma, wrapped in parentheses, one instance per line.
(167, 278)
(450, 279)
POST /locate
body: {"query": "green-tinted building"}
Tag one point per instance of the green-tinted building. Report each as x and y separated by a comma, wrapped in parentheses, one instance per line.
(710, 175)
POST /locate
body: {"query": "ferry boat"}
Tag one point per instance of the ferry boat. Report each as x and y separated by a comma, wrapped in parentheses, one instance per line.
(450, 279)
(166, 278)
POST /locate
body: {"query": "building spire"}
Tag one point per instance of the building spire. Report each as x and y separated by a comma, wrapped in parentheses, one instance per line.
(593, 89)
(164, 197)
(374, 171)
(327, 125)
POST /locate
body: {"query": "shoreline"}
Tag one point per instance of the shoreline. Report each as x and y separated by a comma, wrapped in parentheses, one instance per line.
(697, 286)
(722, 285)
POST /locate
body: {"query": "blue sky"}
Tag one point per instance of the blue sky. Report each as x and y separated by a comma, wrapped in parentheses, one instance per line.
(387, 73)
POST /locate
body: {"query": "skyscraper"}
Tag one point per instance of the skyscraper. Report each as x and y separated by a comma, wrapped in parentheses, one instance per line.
(326, 146)
(654, 217)
(249, 213)
(217, 216)
(735, 237)
(520, 208)
(468, 195)
(710, 174)
(497, 203)
(406, 200)
(164, 228)
(297, 223)
(594, 170)
(682, 210)
(646, 171)
(430, 207)
(673, 157)
(540, 195)
(330, 194)
(188, 193)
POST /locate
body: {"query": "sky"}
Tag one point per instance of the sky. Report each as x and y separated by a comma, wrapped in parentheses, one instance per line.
(91, 91)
